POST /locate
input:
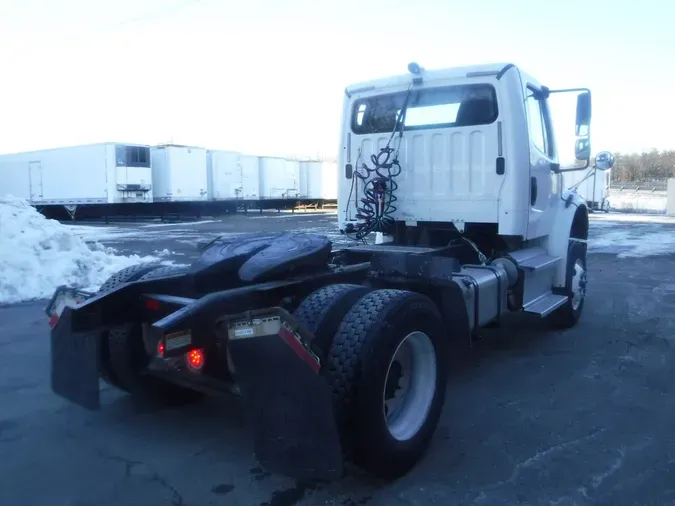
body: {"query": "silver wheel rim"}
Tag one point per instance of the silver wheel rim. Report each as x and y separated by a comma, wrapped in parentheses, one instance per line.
(579, 280)
(410, 386)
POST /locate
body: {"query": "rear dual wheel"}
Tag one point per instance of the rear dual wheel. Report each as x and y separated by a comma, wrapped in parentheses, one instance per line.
(386, 369)
(123, 357)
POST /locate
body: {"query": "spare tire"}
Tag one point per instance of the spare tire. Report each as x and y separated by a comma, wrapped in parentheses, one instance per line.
(126, 275)
(170, 270)
(123, 355)
(132, 273)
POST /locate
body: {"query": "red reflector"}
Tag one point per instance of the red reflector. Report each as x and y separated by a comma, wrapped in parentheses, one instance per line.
(53, 320)
(160, 348)
(195, 358)
(152, 304)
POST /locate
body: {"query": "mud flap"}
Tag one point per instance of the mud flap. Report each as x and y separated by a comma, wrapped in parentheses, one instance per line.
(295, 430)
(75, 363)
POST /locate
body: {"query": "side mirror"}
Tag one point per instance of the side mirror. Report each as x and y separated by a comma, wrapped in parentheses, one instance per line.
(604, 160)
(583, 122)
(582, 149)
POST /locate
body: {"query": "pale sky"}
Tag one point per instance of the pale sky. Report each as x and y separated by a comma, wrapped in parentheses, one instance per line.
(267, 77)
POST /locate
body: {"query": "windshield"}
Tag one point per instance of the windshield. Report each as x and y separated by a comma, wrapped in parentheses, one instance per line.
(441, 107)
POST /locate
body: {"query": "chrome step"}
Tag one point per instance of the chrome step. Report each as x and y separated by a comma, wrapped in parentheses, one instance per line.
(545, 305)
(538, 262)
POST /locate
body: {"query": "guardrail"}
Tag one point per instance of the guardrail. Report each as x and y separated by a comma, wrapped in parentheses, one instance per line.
(641, 187)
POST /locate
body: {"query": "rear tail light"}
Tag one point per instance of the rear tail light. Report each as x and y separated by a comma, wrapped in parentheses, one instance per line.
(160, 348)
(195, 359)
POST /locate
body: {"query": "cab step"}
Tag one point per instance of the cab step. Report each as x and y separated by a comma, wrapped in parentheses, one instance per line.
(538, 262)
(545, 305)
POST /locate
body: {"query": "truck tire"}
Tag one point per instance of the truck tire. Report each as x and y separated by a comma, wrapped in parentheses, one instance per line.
(132, 273)
(576, 280)
(126, 275)
(387, 436)
(128, 360)
(322, 311)
(160, 272)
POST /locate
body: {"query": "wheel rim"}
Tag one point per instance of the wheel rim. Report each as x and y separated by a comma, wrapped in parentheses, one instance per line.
(409, 386)
(579, 280)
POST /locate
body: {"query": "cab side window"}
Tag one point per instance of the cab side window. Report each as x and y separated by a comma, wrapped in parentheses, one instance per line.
(538, 120)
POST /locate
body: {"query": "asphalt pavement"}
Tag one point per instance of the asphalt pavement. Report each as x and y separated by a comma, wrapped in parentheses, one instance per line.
(532, 417)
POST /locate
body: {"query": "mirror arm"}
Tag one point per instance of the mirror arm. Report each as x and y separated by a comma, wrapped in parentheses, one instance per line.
(555, 167)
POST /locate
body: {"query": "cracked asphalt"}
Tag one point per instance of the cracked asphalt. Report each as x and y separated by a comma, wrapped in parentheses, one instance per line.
(532, 417)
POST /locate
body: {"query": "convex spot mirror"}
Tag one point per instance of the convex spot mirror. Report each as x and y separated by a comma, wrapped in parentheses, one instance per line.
(604, 160)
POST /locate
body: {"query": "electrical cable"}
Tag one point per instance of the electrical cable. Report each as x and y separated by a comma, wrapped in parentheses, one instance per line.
(377, 205)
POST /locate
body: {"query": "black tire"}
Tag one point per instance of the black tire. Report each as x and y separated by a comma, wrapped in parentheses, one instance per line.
(568, 315)
(162, 272)
(322, 311)
(132, 273)
(123, 356)
(357, 368)
(126, 275)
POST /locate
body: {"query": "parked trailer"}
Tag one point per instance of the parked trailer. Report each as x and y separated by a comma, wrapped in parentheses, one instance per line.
(232, 175)
(592, 185)
(94, 174)
(179, 173)
(279, 178)
(318, 180)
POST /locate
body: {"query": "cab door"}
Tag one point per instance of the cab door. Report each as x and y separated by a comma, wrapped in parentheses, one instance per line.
(544, 184)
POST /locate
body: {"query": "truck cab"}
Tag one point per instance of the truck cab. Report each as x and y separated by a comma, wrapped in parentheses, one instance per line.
(472, 151)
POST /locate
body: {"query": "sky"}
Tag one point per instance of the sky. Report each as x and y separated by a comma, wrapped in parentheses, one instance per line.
(267, 78)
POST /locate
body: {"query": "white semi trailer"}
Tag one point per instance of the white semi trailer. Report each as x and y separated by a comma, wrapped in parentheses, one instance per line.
(179, 173)
(94, 174)
(232, 175)
(593, 186)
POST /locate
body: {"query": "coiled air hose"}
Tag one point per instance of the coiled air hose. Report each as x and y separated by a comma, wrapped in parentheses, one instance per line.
(375, 214)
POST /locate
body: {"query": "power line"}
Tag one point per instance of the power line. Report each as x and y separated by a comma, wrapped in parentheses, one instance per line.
(149, 16)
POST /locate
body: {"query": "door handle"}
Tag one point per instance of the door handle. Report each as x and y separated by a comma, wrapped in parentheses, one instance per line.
(533, 191)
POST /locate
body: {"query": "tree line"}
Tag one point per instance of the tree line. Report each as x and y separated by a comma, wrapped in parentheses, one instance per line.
(646, 167)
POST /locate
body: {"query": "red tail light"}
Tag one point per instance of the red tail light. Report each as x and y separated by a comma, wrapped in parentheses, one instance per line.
(160, 348)
(195, 359)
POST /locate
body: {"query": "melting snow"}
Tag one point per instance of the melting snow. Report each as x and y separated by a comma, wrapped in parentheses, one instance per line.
(37, 255)
(632, 235)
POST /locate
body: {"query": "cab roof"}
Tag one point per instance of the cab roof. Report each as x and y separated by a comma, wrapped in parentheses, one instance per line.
(489, 69)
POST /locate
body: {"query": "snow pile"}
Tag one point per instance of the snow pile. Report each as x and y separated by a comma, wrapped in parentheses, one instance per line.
(37, 255)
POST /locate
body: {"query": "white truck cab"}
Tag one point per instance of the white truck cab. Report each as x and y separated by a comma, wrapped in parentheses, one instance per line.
(470, 152)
